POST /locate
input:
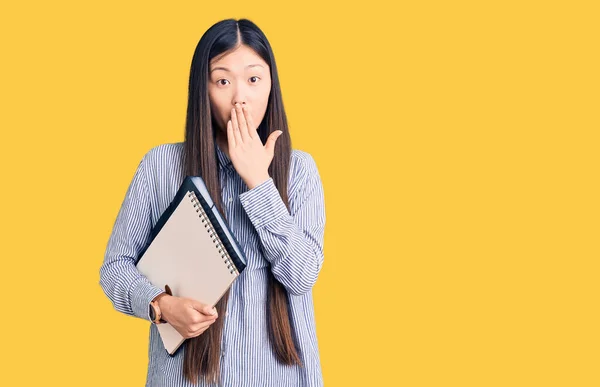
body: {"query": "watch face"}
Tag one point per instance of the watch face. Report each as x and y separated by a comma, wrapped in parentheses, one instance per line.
(152, 314)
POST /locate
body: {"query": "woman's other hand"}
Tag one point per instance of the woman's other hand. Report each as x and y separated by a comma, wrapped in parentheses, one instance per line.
(189, 317)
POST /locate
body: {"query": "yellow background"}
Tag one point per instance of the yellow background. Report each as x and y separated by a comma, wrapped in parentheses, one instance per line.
(458, 147)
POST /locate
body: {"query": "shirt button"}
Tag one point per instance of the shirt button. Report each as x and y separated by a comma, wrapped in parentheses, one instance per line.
(230, 200)
(245, 202)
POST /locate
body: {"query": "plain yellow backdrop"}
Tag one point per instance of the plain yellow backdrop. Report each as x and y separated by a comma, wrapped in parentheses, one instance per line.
(458, 147)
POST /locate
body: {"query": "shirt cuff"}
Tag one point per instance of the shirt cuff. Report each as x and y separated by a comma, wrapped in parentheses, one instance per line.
(263, 204)
(141, 294)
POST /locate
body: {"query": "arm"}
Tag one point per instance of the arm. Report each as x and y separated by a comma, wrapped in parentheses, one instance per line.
(129, 291)
(292, 243)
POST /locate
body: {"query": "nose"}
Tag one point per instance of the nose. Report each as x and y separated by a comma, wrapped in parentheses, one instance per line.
(240, 94)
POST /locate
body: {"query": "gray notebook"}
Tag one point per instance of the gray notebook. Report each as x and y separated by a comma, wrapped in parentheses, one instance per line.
(192, 250)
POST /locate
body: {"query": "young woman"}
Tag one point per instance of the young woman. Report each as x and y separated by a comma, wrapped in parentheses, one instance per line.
(262, 332)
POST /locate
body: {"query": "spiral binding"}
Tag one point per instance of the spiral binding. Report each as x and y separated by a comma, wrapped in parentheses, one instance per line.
(212, 233)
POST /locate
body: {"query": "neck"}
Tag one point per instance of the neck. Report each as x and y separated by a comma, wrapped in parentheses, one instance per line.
(222, 143)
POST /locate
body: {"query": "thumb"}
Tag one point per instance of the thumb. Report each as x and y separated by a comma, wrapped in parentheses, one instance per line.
(270, 145)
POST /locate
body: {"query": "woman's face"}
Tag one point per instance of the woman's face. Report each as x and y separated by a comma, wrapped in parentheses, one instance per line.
(239, 76)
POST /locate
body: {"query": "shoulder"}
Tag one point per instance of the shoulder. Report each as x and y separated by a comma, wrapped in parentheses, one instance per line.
(302, 163)
(165, 156)
(301, 156)
(303, 172)
(164, 151)
(162, 164)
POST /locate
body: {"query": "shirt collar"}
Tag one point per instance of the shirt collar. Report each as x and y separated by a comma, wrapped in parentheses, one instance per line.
(224, 161)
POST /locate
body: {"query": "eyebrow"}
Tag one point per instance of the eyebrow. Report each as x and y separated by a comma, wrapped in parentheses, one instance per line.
(226, 69)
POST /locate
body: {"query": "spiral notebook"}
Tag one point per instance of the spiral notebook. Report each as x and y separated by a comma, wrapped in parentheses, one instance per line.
(192, 250)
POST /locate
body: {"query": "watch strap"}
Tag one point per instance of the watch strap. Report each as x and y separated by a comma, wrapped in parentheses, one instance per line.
(157, 312)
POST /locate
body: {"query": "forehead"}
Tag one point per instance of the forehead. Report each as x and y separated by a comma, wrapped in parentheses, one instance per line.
(238, 60)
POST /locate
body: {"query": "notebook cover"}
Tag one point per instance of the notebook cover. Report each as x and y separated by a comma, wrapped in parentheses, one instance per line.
(180, 233)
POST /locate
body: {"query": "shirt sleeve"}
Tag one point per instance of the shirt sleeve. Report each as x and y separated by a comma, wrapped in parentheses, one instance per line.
(291, 242)
(129, 291)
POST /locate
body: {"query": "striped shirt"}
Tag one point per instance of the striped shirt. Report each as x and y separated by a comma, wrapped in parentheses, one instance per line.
(289, 243)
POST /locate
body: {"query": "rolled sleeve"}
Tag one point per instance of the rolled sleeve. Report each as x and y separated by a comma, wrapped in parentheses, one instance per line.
(141, 294)
(263, 204)
(291, 242)
(127, 288)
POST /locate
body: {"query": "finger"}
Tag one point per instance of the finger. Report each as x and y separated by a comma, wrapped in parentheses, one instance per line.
(199, 318)
(230, 136)
(209, 311)
(239, 113)
(203, 325)
(198, 329)
(198, 333)
(204, 309)
(191, 334)
(251, 128)
(236, 129)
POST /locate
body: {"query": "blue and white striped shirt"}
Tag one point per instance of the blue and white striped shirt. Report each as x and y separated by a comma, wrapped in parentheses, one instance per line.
(290, 244)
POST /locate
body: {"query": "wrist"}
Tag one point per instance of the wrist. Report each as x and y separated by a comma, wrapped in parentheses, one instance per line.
(163, 303)
(160, 300)
(257, 182)
(157, 309)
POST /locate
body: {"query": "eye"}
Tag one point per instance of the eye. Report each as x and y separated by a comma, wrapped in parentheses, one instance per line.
(219, 81)
(257, 78)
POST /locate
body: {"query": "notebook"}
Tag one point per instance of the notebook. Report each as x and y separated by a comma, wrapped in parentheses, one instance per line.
(193, 251)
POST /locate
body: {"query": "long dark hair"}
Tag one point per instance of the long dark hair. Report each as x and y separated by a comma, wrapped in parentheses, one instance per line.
(202, 353)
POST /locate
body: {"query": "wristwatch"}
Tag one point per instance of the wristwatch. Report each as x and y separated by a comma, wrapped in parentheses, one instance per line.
(155, 313)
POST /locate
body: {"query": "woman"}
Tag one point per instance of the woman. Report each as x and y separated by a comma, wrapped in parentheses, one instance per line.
(263, 330)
